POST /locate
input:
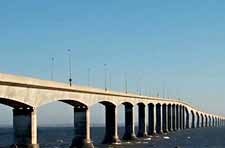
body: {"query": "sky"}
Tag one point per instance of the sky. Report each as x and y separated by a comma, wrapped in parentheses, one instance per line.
(172, 47)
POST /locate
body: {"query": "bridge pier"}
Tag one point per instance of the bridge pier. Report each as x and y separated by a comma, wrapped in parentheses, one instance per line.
(198, 121)
(174, 117)
(159, 128)
(81, 128)
(129, 123)
(187, 119)
(202, 121)
(151, 119)
(111, 128)
(25, 127)
(181, 117)
(215, 122)
(142, 131)
(165, 118)
(209, 121)
(177, 117)
(193, 120)
(170, 120)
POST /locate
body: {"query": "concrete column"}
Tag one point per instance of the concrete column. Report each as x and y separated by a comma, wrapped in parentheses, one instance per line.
(174, 117)
(198, 120)
(210, 121)
(202, 121)
(218, 125)
(151, 119)
(81, 128)
(165, 118)
(183, 111)
(111, 131)
(178, 117)
(142, 131)
(206, 121)
(181, 117)
(216, 122)
(187, 122)
(170, 120)
(25, 127)
(159, 119)
(193, 120)
(129, 123)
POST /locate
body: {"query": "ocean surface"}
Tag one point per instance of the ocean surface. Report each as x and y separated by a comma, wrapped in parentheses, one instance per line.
(61, 137)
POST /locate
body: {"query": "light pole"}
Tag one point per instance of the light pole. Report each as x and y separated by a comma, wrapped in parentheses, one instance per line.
(125, 81)
(110, 80)
(70, 67)
(105, 71)
(52, 68)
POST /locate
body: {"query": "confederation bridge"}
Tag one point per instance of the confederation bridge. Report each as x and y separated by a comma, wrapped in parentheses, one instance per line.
(25, 95)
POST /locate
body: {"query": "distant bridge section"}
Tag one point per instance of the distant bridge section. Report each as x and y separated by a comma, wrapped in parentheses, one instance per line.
(25, 95)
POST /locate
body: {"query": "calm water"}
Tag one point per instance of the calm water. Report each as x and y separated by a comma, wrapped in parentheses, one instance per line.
(62, 137)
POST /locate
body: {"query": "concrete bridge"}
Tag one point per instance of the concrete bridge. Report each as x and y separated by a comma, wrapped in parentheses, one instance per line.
(25, 95)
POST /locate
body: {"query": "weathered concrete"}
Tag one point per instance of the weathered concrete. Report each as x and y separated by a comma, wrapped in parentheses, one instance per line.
(184, 126)
(159, 129)
(170, 120)
(198, 121)
(151, 119)
(193, 120)
(206, 121)
(187, 118)
(129, 123)
(174, 117)
(165, 118)
(22, 93)
(25, 127)
(111, 131)
(202, 121)
(181, 118)
(81, 128)
(142, 131)
(178, 117)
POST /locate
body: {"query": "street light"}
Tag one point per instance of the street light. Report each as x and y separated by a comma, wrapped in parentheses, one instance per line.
(125, 81)
(70, 67)
(110, 80)
(105, 71)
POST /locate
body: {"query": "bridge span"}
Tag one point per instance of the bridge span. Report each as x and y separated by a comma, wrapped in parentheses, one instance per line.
(25, 95)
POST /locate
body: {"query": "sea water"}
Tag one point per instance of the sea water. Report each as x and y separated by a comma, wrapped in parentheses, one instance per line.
(61, 137)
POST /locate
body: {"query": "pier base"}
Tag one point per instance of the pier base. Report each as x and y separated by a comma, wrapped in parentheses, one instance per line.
(129, 123)
(142, 131)
(25, 146)
(81, 128)
(111, 135)
(25, 127)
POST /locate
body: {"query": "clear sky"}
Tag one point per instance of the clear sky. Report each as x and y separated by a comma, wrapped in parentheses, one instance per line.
(172, 45)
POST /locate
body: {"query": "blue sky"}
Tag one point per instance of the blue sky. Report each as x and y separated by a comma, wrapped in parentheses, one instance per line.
(176, 45)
